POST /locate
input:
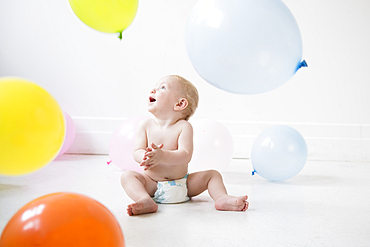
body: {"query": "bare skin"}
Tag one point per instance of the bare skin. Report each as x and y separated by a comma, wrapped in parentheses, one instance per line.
(197, 182)
(163, 147)
(143, 206)
(230, 203)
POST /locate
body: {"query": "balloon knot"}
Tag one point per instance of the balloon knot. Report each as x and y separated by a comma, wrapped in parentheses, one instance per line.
(302, 64)
(253, 172)
(108, 163)
(120, 35)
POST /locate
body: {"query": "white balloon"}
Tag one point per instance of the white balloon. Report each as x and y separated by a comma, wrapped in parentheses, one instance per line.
(244, 46)
(213, 146)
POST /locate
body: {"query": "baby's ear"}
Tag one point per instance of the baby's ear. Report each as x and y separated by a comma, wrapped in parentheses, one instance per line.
(181, 105)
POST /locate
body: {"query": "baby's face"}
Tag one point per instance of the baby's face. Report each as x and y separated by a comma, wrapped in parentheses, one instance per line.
(165, 94)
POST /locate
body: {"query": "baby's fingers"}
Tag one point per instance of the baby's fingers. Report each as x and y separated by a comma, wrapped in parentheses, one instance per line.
(144, 162)
(147, 166)
(148, 155)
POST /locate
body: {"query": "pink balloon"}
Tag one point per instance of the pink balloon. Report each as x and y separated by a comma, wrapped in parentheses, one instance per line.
(213, 146)
(70, 134)
(121, 145)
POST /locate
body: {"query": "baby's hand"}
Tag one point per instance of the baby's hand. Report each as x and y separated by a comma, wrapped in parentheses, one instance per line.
(153, 156)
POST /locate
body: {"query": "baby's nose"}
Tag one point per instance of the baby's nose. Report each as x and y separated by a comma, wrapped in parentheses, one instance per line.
(152, 91)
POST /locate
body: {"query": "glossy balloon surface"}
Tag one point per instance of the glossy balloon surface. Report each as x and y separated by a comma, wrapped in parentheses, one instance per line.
(111, 16)
(213, 145)
(121, 146)
(278, 153)
(244, 46)
(70, 134)
(32, 127)
(63, 219)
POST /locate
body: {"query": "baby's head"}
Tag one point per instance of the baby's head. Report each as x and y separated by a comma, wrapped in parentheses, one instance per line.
(190, 93)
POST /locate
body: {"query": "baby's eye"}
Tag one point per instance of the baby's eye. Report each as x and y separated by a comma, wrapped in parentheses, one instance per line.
(163, 87)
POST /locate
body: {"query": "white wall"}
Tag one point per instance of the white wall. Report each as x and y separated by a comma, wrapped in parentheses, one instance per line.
(100, 80)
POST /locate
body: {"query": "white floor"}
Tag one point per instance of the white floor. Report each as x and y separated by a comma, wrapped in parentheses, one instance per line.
(327, 204)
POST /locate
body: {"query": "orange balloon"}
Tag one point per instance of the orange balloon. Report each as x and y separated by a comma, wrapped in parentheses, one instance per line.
(63, 219)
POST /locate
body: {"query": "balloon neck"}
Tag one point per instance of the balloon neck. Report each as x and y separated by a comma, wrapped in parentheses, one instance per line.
(120, 35)
(302, 64)
(108, 163)
(253, 172)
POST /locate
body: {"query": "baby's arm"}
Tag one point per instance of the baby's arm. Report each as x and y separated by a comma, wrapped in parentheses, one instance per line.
(182, 155)
(140, 142)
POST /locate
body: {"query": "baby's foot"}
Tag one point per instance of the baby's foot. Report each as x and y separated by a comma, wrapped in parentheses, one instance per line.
(143, 206)
(232, 203)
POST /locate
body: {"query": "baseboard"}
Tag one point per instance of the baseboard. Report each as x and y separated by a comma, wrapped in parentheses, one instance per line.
(325, 141)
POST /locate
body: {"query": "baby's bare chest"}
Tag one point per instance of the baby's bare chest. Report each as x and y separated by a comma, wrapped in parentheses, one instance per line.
(167, 137)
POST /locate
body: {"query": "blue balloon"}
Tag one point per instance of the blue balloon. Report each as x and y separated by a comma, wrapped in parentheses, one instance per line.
(244, 46)
(279, 153)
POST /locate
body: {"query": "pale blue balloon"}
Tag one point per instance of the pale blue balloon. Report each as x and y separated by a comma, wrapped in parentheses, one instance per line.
(279, 153)
(244, 46)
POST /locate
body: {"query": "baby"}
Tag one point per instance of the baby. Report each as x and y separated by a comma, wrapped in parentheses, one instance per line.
(164, 147)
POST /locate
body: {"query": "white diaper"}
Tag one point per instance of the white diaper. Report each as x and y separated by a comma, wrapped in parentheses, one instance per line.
(174, 191)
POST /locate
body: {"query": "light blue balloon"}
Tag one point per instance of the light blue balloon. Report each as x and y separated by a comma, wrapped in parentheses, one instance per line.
(244, 46)
(279, 153)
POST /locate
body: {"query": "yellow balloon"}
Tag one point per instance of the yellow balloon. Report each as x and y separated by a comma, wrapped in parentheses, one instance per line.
(109, 16)
(32, 127)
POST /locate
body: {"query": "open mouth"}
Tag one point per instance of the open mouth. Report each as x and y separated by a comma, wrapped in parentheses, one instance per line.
(151, 99)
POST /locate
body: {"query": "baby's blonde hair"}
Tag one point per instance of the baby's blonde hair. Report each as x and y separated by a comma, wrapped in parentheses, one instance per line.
(191, 94)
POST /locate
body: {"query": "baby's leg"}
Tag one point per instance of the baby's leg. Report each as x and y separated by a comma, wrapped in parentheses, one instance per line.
(212, 180)
(139, 188)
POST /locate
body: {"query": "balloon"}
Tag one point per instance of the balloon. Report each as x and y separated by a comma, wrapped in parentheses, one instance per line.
(63, 219)
(213, 145)
(279, 153)
(112, 16)
(32, 127)
(70, 134)
(121, 146)
(244, 46)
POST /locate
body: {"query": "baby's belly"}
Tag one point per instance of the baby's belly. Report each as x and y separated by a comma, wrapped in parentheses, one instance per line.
(167, 172)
